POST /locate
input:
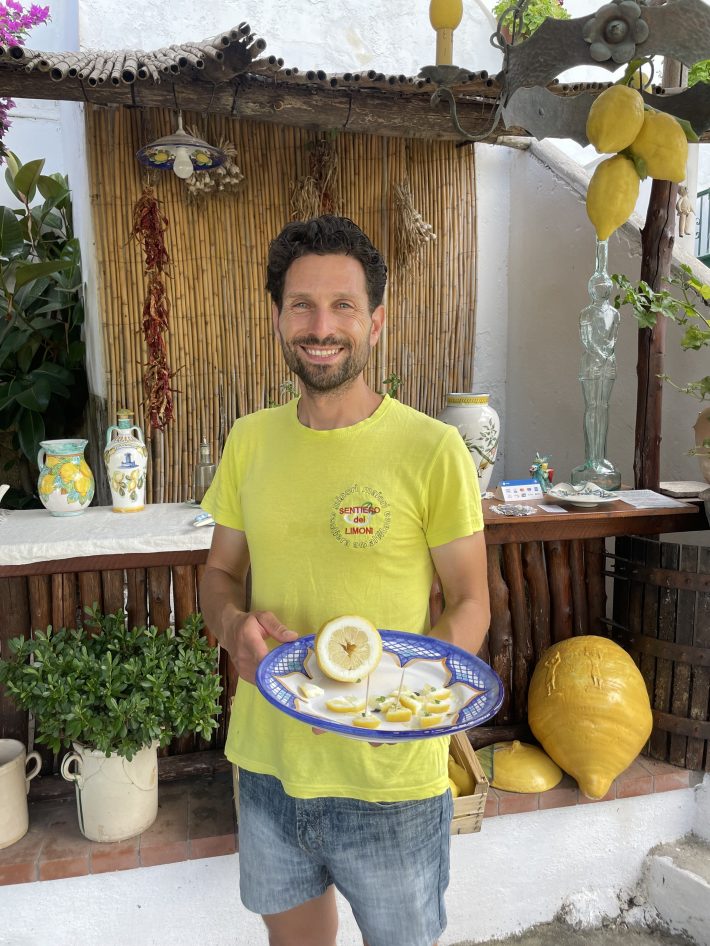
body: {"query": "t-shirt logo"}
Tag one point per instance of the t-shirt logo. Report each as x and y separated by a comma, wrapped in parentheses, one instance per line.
(360, 517)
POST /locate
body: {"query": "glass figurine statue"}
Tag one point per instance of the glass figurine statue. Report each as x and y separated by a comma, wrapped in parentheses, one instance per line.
(598, 329)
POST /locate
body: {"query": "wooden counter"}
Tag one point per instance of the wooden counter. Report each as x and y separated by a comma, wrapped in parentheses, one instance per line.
(617, 518)
(546, 574)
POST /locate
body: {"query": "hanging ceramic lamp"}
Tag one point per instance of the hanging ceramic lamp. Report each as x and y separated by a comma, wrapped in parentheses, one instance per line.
(181, 153)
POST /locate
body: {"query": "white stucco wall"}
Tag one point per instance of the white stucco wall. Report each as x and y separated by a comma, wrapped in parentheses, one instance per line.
(520, 870)
(347, 35)
(552, 255)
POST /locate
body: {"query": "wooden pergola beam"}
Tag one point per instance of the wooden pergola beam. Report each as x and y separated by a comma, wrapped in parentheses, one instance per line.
(367, 111)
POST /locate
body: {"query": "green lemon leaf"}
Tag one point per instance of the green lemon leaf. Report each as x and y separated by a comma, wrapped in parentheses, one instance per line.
(688, 129)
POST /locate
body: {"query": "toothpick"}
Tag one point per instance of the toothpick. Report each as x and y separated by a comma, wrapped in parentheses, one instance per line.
(401, 681)
(367, 697)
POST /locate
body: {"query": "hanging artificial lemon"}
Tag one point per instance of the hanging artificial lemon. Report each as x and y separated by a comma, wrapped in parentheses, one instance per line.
(520, 767)
(661, 148)
(615, 118)
(588, 707)
(612, 194)
(348, 648)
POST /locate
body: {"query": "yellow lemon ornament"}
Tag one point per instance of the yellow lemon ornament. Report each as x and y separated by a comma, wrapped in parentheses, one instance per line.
(520, 767)
(461, 778)
(589, 708)
(612, 195)
(615, 119)
(348, 648)
(662, 146)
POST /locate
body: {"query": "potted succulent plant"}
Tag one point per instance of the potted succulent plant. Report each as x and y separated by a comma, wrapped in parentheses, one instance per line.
(115, 694)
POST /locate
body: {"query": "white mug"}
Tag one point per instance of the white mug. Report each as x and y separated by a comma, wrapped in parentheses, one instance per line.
(14, 786)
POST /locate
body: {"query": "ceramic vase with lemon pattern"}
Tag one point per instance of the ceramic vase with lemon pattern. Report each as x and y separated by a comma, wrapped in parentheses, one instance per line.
(66, 484)
(126, 459)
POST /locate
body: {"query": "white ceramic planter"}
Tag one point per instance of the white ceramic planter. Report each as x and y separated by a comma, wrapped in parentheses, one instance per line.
(116, 799)
(14, 786)
(479, 425)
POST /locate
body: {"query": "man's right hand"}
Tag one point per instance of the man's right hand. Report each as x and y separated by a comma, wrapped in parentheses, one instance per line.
(245, 636)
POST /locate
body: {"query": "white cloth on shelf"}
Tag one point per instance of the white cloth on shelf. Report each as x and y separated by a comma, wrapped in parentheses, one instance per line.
(33, 535)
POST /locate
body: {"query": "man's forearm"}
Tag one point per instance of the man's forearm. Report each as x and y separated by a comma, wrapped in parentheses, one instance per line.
(464, 624)
(222, 596)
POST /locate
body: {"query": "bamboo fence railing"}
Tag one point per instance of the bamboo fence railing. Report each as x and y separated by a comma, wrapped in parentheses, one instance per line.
(220, 344)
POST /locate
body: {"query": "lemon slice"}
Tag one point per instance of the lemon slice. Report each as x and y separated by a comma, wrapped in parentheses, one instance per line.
(309, 691)
(346, 704)
(437, 706)
(348, 648)
(412, 704)
(366, 721)
(401, 715)
(431, 720)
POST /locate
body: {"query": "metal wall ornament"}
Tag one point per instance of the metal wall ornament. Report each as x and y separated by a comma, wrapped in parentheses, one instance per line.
(619, 32)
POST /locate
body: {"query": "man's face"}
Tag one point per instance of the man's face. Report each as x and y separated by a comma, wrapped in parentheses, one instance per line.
(325, 326)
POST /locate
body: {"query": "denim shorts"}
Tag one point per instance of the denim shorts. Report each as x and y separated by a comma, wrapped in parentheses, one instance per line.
(390, 860)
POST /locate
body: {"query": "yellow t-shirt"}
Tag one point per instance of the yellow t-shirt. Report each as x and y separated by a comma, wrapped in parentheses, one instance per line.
(341, 522)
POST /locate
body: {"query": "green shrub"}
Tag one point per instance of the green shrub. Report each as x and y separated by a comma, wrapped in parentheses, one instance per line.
(113, 688)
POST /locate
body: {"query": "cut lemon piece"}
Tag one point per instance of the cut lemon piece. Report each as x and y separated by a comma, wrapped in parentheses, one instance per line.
(366, 721)
(412, 704)
(348, 648)
(437, 706)
(346, 704)
(430, 720)
(309, 691)
(401, 715)
(435, 693)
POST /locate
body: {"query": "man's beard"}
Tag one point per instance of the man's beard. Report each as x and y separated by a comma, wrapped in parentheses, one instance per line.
(326, 377)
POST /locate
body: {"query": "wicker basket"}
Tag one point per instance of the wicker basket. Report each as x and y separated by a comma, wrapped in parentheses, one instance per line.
(468, 809)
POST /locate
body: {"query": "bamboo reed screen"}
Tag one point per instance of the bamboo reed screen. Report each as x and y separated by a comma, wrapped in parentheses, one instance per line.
(220, 343)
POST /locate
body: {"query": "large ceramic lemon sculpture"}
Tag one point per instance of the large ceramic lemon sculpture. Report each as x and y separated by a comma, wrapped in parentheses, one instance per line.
(348, 648)
(588, 707)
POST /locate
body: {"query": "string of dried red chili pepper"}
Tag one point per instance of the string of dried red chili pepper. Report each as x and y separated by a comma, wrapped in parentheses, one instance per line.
(149, 226)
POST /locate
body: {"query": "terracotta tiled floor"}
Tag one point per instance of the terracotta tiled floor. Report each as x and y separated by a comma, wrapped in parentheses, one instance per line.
(643, 777)
(195, 819)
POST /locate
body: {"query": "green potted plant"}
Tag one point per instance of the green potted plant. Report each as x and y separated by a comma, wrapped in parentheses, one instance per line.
(689, 309)
(115, 694)
(43, 385)
(534, 15)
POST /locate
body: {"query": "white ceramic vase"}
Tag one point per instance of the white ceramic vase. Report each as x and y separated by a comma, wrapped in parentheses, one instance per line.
(126, 459)
(116, 799)
(14, 786)
(479, 425)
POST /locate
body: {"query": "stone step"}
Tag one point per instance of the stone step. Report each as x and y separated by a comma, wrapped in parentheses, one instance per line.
(677, 880)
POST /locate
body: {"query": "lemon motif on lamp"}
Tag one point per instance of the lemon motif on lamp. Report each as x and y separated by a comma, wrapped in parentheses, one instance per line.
(66, 483)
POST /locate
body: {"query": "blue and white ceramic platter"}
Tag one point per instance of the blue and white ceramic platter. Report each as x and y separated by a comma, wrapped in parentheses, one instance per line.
(583, 494)
(476, 690)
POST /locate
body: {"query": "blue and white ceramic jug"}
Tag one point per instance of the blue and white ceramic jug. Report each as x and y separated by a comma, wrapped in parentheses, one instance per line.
(126, 459)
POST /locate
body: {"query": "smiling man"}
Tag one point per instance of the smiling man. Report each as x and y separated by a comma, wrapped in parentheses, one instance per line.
(318, 810)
